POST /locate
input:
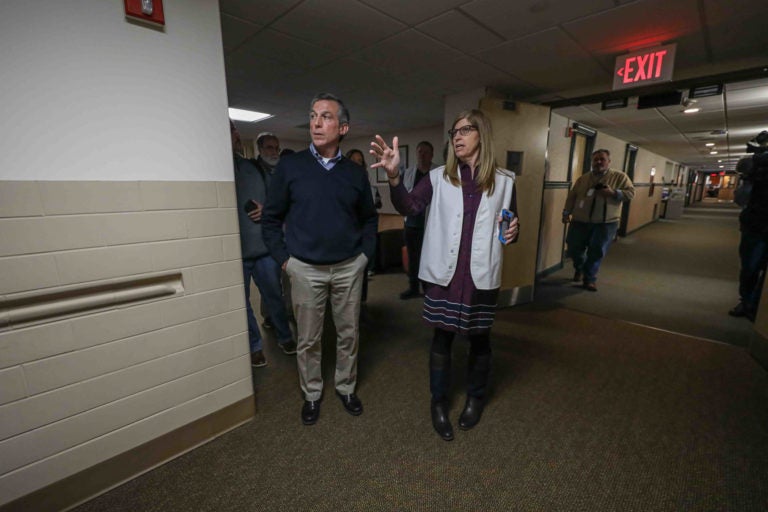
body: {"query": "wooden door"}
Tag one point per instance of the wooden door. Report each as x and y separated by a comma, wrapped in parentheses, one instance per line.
(521, 128)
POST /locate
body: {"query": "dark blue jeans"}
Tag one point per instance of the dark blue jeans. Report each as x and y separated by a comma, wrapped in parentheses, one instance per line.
(587, 246)
(265, 272)
(753, 251)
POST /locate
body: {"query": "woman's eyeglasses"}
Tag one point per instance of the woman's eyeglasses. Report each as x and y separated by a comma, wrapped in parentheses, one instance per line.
(464, 130)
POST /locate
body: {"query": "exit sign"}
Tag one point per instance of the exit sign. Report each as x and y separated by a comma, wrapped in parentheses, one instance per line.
(644, 67)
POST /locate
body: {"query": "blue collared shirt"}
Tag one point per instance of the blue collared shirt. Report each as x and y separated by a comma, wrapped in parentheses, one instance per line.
(327, 163)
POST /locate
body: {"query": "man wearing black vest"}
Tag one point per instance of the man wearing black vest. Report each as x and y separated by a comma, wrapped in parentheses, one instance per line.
(320, 225)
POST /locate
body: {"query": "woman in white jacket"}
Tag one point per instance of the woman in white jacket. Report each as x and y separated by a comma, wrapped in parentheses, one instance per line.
(461, 256)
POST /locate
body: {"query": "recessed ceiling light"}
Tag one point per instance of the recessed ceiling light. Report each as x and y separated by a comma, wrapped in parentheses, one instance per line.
(709, 144)
(691, 110)
(719, 161)
(721, 166)
(249, 116)
(713, 152)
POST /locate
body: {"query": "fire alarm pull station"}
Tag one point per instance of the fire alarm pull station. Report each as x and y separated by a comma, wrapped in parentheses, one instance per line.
(150, 11)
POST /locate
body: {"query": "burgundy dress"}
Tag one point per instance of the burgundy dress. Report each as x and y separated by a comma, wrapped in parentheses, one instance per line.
(460, 306)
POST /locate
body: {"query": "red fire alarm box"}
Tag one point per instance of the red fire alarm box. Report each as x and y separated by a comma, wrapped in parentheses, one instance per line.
(145, 10)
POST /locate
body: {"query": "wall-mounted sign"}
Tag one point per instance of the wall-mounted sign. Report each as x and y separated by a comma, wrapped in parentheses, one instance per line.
(644, 67)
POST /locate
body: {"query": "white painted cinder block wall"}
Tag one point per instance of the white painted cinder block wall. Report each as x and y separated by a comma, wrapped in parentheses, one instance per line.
(115, 164)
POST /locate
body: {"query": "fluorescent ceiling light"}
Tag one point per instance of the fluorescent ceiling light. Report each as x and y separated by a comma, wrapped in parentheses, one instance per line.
(691, 110)
(713, 152)
(709, 144)
(247, 115)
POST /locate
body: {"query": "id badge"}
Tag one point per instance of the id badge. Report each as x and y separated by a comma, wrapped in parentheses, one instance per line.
(590, 192)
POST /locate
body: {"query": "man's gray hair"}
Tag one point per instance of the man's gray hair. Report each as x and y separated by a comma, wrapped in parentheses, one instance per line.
(343, 112)
(607, 153)
(260, 138)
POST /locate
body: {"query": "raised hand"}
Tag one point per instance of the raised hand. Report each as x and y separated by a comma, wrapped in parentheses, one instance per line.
(386, 157)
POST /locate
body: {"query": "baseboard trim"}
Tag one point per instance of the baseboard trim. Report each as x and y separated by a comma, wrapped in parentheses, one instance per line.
(96, 480)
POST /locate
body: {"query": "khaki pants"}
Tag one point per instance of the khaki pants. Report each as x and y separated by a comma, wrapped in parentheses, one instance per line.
(311, 286)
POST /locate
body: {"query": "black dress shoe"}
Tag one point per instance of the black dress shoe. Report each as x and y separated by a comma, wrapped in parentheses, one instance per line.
(351, 403)
(470, 416)
(440, 421)
(310, 412)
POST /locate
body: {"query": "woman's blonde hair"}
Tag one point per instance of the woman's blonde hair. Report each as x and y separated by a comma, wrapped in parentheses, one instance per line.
(486, 173)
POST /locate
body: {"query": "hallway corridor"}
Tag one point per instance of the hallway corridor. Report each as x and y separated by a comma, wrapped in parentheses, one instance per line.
(679, 275)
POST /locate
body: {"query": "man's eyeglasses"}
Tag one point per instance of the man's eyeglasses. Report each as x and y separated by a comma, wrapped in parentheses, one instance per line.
(464, 130)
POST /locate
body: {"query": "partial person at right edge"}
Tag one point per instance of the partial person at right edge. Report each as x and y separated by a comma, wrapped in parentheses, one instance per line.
(461, 256)
(593, 208)
(752, 195)
(414, 224)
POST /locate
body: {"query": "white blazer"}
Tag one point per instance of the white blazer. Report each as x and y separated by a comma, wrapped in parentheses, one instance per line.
(442, 233)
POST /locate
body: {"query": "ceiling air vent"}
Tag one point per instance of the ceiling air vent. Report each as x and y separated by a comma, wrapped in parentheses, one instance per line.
(718, 132)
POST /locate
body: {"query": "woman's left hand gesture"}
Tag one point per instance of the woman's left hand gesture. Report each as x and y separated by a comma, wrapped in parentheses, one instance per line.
(386, 157)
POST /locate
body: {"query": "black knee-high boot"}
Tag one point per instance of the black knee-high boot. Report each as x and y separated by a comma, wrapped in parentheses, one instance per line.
(439, 386)
(478, 370)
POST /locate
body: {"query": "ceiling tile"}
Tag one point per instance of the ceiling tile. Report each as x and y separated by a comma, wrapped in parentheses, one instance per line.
(235, 31)
(245, 65)
(737, 28)
(343, 76)
(338, 25)
(549, 60)
(256, 11)
(460, 74)
(518, 18)
(455, 29)
(406, 52)
(636, 25)
(413, 11)
(283, 48)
